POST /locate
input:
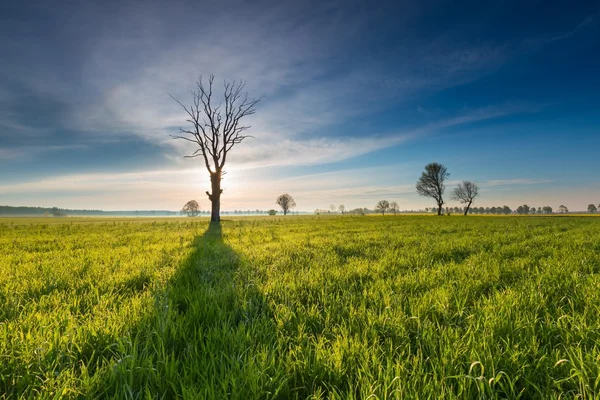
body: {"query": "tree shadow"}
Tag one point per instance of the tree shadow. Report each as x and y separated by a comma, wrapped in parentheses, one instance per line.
(211, 334)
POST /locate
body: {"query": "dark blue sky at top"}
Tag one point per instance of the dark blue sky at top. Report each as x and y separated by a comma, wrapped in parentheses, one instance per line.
(497, 90)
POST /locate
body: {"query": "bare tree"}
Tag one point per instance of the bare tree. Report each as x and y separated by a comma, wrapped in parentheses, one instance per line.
(382, 206)
(332, 208)
(431, 183)
(394, 207)
(466, 192)
(191, 208)
(216, 130)
(286, 202)
(342, 208)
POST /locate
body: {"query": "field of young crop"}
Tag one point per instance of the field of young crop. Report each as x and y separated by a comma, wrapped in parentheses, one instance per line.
(301, 307)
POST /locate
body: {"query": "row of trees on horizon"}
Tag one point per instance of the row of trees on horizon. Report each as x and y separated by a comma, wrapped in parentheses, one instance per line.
(287, 203)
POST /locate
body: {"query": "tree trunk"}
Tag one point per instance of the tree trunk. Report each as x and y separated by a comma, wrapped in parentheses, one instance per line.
(284, 212)
(215, 196)
(467, 209)
(440, 209)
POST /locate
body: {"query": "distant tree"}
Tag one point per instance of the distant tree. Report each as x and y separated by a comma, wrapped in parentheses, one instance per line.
(394, 207)
(547, 210)
(466, 192)
(342, 208)
(524, 209)
(332, 208)
(56, 212)
(592, 208)
(272, 212)
(431, 183)
(382, 206)
(358, 211)
(286, 202)
(191, 208)
(563, 209)
(215, 130)
(506, 210)
(532, 210)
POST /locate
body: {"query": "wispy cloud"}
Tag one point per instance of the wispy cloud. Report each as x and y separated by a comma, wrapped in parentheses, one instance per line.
(506, 182)
(294, 58)
(29, 152)
(270, 149)
(166, 189)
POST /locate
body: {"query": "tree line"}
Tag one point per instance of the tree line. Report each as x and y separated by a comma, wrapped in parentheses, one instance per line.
(431, 184)
(61, 212)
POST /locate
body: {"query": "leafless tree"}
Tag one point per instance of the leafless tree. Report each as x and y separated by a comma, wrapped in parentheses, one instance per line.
(286, 202)
(191, 208)
(431, 183)
(394, 207)
(466, 192)
(216, 130)
(342, 208)
(382, 206)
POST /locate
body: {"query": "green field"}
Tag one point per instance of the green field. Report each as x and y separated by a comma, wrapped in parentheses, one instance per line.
(301, 307)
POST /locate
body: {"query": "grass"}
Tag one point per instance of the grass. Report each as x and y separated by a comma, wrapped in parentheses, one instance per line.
(301, 307)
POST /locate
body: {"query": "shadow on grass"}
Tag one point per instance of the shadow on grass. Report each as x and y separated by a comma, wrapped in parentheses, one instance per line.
(211, 334)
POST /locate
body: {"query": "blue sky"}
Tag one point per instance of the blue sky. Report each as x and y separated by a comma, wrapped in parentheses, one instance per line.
(358, 97)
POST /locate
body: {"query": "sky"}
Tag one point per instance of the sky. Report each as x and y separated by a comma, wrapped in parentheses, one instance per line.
(357, 97)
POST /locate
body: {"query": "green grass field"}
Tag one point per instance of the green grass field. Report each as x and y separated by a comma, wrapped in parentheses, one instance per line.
(301, 307)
